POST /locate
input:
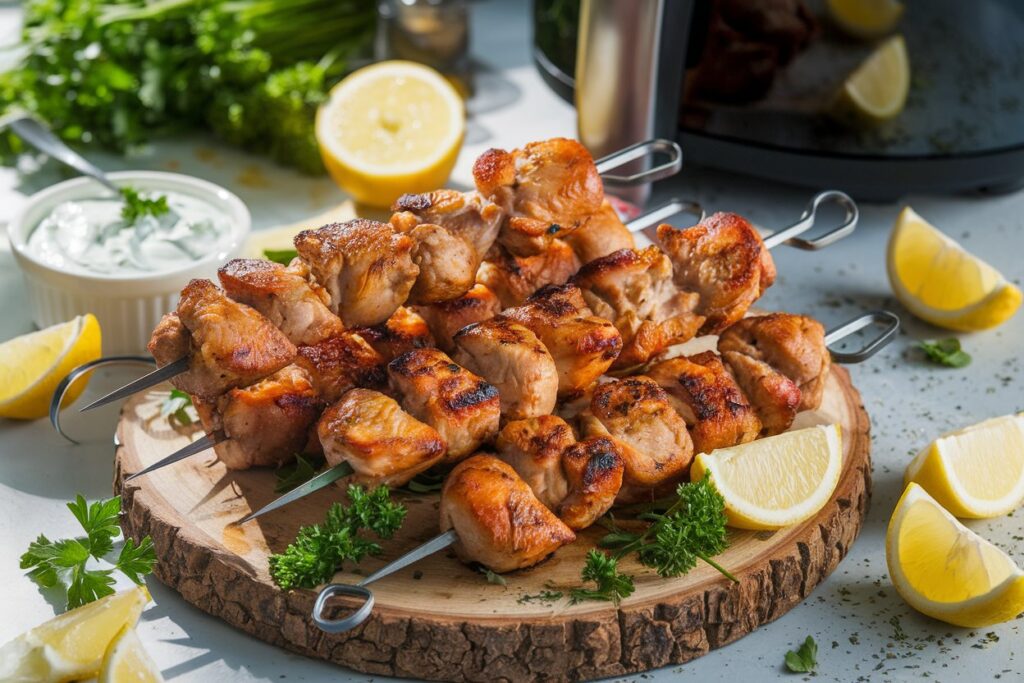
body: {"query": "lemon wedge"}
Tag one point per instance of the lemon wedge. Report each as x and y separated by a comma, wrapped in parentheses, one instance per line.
(940, 282)
(945, 570)
(127, 661)
(866, 18)
(71, 646)
(877, 90)
(778, 481)
(32, 365)
(975, 472)
(390, 128)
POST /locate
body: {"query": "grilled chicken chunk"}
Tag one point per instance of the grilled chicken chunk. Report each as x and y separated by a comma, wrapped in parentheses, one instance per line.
(464, 214)
(228, 344)
(600, 234)
(652, 438)
(462, 407)
(534, 449)
(792, 344)
(545, 190)
(775, 397)
(447, 264)
(512, 358)
(499, 522)
(266, 423)
(448, 317)
(514, 278)
(706, 395)
(582, 345)
(593, 470)
(383, 443)
(341, 363)
(366, 267)
(284, 296)
(634, 289)
(404, 331)
(722, 259)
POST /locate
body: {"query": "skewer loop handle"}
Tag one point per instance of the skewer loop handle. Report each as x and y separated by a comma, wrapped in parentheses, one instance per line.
(808, 218)
(351, 621)
(640, 150)
(71, 377)
(890, 323)
(672, 207)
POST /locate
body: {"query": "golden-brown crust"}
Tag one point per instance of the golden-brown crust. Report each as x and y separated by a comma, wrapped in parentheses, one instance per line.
(599, 234)
(514, 278)
(446, 318)
(342, 363)
(593, 469)
(404, 331)
(775, 397)
(533, 447)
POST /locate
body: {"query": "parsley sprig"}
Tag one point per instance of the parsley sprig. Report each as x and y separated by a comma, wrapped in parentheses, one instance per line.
(282, 256)
(297, 472)
(65, 562)
(945, 352)
(603, 569)
(319, 550)
(136, 206)
(175, 407)
(804, 659)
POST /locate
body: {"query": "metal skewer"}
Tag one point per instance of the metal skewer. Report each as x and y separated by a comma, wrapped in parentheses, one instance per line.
(146, 381)
(325, 478)
(198, 446)
(360, 590)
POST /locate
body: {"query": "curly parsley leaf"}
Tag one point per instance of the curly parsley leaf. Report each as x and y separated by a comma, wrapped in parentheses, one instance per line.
(136, 206)
(945, 352)
(297, 472)
(282, 256)
(175, 407)
(804, 659)
(493, 577)
(603, 570)
(319, 550)
(65, 562)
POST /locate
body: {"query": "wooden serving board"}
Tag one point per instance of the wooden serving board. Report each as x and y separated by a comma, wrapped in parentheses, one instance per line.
(441, 619)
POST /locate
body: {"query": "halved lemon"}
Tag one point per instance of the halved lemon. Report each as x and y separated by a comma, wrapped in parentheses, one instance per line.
(975, 472)
(71, 646)
(778, 481)
(866, 18)
(32, 365)
(940, 282)
(391, 128)
(127, 661)
(945, 570)
(877, 90)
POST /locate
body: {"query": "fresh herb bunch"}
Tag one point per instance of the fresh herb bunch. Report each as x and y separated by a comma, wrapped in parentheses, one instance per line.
(114, 73)
(804, 659)
(603, 569)
(692, 528)
(136, 206)
(945, 352)
(175, 407)
(65, 562)
(320, 550)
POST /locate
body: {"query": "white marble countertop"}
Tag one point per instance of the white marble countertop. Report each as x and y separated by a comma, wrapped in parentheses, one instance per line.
(864, 630)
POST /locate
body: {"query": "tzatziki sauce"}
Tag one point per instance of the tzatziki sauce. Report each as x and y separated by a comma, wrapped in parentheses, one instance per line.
(90, 235)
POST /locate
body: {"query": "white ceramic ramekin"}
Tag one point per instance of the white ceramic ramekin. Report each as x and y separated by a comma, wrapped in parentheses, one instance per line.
(128, 307)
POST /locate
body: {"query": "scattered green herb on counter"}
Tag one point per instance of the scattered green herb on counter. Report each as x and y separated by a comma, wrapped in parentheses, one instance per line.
(297, 472)
(65, 562)
(692, 528)
(425, 482)
(493, 577)
(945, 352)
(175, 407)
(804, 659)
(319, 550)
(546, 597)
(282, 256)
(136, 206)
(603, 569)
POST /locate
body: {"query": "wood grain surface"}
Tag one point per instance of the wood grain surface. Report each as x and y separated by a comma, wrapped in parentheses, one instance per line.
(440, 619)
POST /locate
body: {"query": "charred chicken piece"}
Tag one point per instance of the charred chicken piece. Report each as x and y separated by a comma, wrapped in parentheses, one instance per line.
(513, 359)
(284, 295)
(266, 423)
(463, 408)
(534, 449)
(341, 363)
(593, 471)
(544, 189)
(775, 397)
(404, 331)
(383, 443)
(792, 344)
(600, 234)
(582, 345)
(652, 437)
(448, 317)
(514, 278)
(499, 522)
(447, 264)
(634, 289)
(722, 259)
(466, 215)
(708, 398)
(366, 267)
(228, 344)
